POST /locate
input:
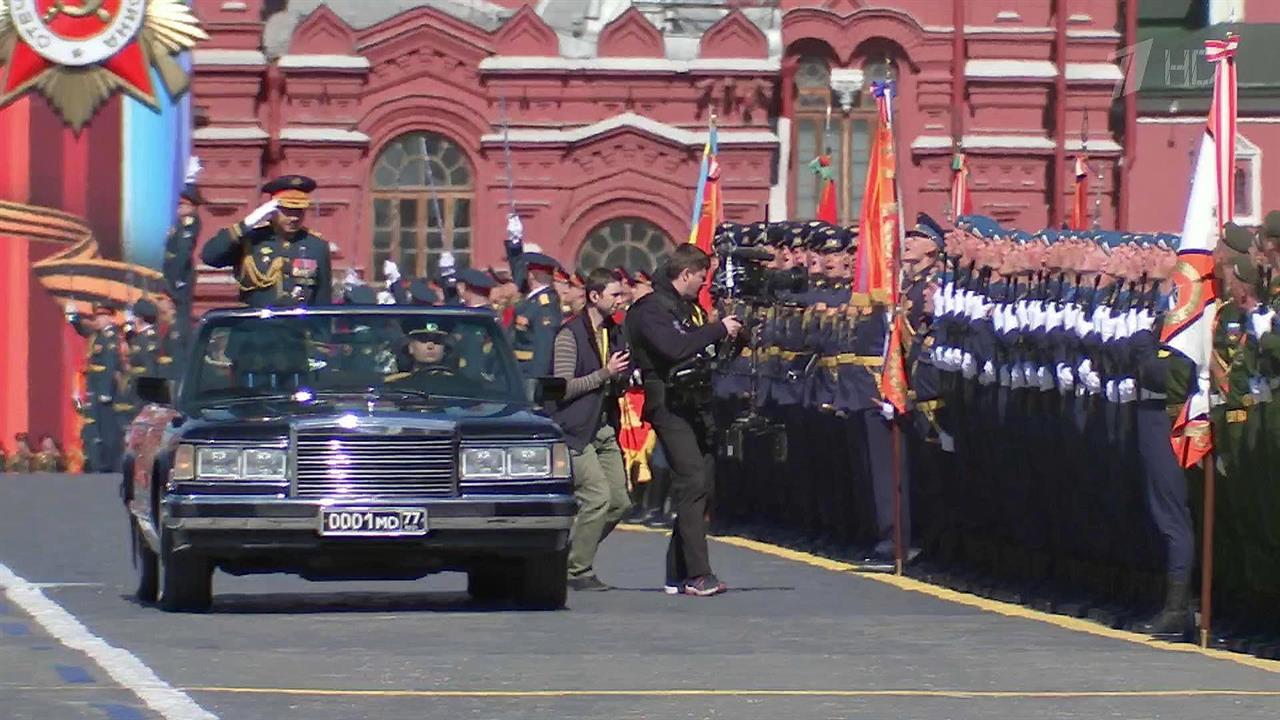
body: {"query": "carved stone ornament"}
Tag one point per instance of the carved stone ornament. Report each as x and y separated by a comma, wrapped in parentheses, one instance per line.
(846, 82)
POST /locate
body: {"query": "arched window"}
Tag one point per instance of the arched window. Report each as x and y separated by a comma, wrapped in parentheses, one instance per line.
(422, 192)
(847, 93)
(625, 242)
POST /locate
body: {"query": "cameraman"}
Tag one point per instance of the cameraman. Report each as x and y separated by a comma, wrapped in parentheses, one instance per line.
(669, 332)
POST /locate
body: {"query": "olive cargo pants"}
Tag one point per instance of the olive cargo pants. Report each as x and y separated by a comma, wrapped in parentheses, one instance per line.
(600, 487)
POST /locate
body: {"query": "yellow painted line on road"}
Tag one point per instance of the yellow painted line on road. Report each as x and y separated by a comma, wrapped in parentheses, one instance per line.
(949, 694)
(995, 606)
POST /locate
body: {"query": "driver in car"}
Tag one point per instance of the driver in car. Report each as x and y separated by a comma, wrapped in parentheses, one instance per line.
(428, 346)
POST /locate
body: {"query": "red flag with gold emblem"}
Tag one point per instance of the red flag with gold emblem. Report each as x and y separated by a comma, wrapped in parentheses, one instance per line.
(876, 265)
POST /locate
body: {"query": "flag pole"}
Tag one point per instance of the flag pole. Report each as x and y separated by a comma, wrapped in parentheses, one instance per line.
(895, 427)
(1206, 558)
(1223, 123)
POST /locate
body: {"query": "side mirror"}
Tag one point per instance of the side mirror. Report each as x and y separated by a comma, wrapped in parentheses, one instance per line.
(155, 390)
(547, 389)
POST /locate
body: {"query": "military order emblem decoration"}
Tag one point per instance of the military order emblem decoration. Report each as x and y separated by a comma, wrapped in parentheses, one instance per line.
(77, 53)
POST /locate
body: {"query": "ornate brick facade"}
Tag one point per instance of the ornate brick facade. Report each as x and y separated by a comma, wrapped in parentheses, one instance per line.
(604, 106)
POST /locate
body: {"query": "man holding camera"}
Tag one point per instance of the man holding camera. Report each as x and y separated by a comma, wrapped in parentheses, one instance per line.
(590, 355)
(669, 336)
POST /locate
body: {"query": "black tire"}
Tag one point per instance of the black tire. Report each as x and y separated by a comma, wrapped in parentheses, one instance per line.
(186, 579)
(491, 581)
(544, 581)
(148, 564)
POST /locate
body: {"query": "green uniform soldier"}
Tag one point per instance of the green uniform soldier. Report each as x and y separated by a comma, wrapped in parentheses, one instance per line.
(472, 344)
(142, 358)
(276, 260)
(538, 316)
(428, 347)
(179, 248)
(101, 375)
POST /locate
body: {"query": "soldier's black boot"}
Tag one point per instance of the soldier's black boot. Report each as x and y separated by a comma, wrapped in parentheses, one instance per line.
(1175, 621)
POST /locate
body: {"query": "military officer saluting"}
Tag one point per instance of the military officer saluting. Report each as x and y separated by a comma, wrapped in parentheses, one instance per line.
(277, 261)
(538, 316)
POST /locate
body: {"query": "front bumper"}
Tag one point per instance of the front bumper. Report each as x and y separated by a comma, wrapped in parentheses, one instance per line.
(492, 513)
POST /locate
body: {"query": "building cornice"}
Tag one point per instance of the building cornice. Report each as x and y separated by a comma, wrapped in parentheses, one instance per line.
(324, 62)
(215, 133)
(323, 135)
(227, 58)
(676, 135)
(521, 63)
(944, 143)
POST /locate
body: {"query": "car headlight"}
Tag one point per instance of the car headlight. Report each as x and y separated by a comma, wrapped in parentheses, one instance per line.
(184, 463)
(218, 463)
(483, 463)
(529, 461)
(260, 464)
(521, 462)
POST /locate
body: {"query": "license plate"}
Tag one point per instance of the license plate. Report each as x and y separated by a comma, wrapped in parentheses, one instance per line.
(373, 522)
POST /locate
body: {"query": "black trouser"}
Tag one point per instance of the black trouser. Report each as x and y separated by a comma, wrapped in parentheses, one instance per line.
(879, 442)
(1166, 489)
(685, 438)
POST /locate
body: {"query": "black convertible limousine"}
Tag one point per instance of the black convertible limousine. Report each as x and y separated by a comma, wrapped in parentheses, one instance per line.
(349, 442)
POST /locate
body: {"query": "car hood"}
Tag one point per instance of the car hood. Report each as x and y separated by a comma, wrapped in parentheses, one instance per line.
(274, 419)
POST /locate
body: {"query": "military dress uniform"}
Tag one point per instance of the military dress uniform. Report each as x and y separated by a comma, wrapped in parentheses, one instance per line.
(537, 320)
(178, 267)
(103, 434)
(274, 271)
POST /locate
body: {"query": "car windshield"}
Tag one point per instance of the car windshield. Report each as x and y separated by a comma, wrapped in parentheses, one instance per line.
(442, 358)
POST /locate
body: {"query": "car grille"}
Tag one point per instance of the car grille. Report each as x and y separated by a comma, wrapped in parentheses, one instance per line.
(335, 464)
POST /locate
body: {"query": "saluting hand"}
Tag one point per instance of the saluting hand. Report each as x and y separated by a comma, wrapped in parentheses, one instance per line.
(262, 212)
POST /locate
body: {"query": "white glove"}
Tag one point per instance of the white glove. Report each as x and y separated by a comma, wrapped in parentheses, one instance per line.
(1110, 326)
(390, 271)
(515, 228)
(1022, 312)
(1054, 317)
(1113, 395)
(968, 366)
(955, 358)
(887, 411)
(1084, 325)
(447, 263)
(988, 375)
(386, 298)
(1000, 319)
(1131, 322)
(1045, 378)
(1127, 390)
(1260, 322)
(1006, 378)
(1066, 379)
(1092, 382)
(262, 212)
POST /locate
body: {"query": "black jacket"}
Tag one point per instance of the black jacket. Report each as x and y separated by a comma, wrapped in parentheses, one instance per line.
(664, 330)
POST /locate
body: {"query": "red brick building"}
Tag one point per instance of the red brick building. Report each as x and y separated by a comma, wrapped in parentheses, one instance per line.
(400, 107)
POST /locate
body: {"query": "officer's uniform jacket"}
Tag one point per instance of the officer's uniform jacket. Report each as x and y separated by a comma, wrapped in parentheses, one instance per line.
(272, 271)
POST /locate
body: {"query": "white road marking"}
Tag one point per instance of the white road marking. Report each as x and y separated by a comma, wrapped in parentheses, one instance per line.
(121, 665)
(56, 585)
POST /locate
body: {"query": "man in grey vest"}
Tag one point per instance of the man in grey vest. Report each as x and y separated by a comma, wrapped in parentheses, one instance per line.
(590, 355)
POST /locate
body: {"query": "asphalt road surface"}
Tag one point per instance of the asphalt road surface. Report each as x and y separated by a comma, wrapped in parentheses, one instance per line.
(790, 640)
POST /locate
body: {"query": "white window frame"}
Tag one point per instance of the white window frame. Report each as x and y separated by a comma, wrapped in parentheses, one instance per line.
(1248, 151)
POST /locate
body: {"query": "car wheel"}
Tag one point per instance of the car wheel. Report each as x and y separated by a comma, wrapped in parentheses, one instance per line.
(186, 579)
(544, 581)
(147, 562)
(491, 581)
